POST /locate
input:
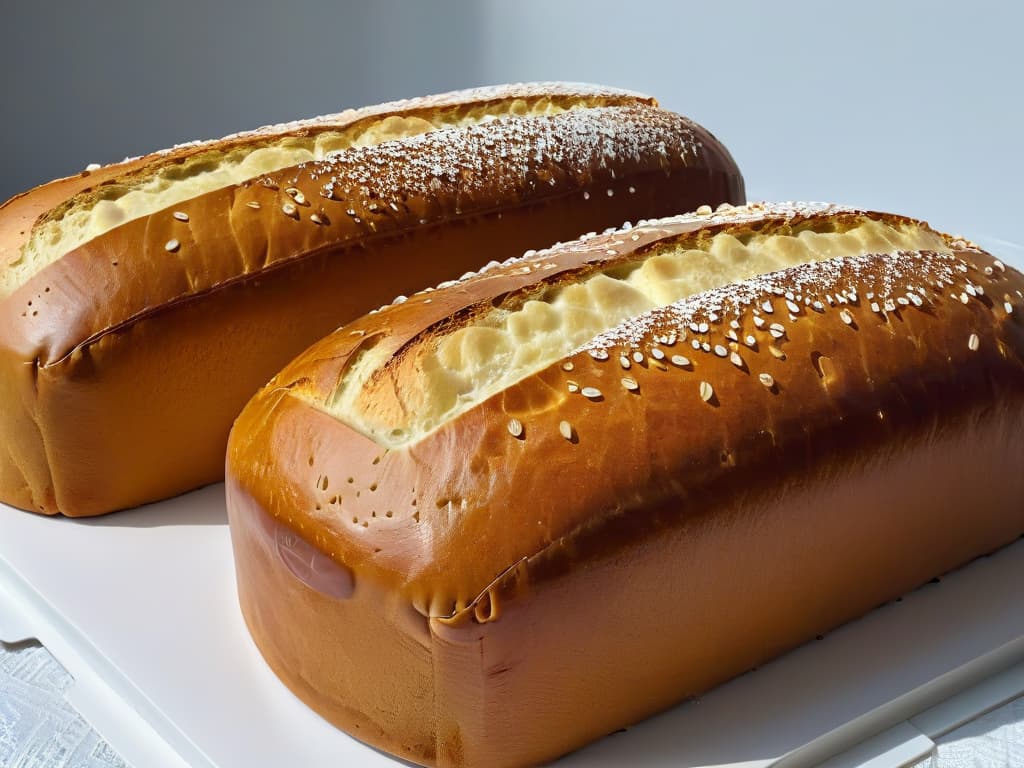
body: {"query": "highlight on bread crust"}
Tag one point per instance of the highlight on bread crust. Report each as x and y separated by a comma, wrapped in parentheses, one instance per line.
(525, 334)
(143, 303)
(151, 189)
(745, 457)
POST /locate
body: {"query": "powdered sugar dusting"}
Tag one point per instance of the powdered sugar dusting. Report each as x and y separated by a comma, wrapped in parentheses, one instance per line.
(436, 175)
(483, 94)
(494, 93)
(877, 279)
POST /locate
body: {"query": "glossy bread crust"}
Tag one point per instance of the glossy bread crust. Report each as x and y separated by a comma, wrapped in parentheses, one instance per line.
(127, 359)
(548, 567)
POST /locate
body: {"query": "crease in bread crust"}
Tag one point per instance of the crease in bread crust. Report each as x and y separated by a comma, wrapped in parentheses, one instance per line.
(94, 212)
(499, 346)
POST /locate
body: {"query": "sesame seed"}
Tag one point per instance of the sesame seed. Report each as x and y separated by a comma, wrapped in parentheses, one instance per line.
(657, 354)
(289, 209)
(973, 342)
(624, 361)
(721, 351)
(254, 205)
(875, 307)
(586, 195)
(766, 305)
(777, 330)
(964, 298)
(734, 324)
(767, 379)
(566, 430)
(751, 341)
(703, 328)
(632, 190)
(180, 215)
(681, 361)
(634, 237)
(638, 356)
(515, 427)
(611, 192)
(999, 265)
(758, 321)
(172, 245)
(592, 392)
(902, 301)
(598, 354)
(916, 300)
(706, 392)
(792, 306)
(818, 306)
(695, 344)
(93, 167)
(970, 290)
(568, 365)
(315, 218)
(705, 347)
(845, 316)
(731, 335)
(704, 210)
(572, 386)
(776, 352)
(1008, 307)
(630, 384)
(735, 359)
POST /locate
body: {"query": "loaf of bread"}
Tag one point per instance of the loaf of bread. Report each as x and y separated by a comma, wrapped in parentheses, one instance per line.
(498, 520)
(143, 303)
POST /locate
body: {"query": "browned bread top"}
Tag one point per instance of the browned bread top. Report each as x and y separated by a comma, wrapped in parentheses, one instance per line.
(476, 155)
(438, 447)
(20, 214)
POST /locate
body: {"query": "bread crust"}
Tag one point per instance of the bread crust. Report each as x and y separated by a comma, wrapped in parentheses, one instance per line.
(128, 358)
(704, 519)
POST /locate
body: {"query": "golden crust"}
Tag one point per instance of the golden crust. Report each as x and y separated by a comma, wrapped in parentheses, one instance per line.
(217, 298)
(21, 213)
(865, 370)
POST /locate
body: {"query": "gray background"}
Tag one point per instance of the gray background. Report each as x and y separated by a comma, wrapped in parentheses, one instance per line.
(908, 106)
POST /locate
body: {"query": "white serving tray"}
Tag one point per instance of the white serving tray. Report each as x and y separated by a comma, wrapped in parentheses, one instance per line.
(140, 608)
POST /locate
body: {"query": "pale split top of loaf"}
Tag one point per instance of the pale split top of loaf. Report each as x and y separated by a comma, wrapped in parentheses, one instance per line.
(190, 170)
(509, 343)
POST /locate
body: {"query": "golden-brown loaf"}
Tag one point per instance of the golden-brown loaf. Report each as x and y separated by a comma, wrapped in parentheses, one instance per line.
(142, 303)
(495, 521)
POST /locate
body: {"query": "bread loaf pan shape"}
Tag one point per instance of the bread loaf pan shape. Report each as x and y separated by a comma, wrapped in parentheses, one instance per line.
(142, 304)
(473, 550)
